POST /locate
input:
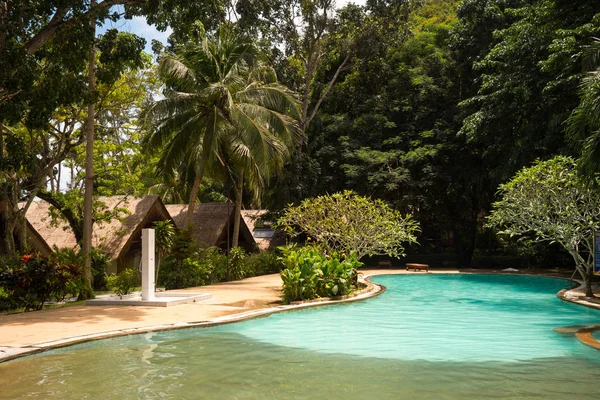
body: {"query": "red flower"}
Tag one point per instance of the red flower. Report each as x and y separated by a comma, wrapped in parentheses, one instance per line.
(26, 258)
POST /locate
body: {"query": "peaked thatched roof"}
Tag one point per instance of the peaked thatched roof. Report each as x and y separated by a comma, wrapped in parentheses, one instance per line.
(210, 222)
(133, 214)
(266, 238)
(55, 233)
(114, 236)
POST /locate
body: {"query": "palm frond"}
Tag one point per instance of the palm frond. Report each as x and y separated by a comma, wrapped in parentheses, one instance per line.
(223, 111)
(175, 72)
(273, 96)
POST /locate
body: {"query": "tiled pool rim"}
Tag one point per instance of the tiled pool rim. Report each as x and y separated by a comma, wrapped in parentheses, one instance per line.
(370, 290)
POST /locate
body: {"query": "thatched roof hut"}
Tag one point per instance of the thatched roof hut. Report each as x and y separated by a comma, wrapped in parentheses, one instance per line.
(212, 223)
(47, 233)
(119, 236)
(265, 235)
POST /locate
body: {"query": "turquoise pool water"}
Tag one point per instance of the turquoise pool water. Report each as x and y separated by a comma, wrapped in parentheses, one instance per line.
(426, 337)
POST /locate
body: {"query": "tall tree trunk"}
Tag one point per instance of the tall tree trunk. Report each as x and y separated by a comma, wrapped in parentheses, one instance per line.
(587, 281)
(237, 216)
(89, 162)
(21, 230)
(1, 140)
(194, 194)
(8, 225)
(51, 178)
(58, 177)
(15, 222)
(72, 181)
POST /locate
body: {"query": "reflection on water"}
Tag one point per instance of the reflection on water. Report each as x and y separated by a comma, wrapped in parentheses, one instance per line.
(221, 363)
(206, 365)
(472, 318)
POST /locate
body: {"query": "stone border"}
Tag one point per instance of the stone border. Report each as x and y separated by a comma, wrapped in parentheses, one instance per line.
(370, 290)
(585, 334)
(580, 300)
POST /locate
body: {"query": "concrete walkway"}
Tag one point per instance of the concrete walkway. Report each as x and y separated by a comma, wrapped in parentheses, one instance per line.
(231, 301)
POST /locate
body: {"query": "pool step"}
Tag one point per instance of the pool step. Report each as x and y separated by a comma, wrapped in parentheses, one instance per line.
(583, 333)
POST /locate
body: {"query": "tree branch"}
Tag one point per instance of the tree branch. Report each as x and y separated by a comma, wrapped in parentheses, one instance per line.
(326, 91)
(57, 22)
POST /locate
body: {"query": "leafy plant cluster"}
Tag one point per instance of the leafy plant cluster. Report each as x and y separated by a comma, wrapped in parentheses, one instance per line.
(310, 273)
(189, 265)
(350, 223)
(125, 282)
(31, 281)
(549, 203)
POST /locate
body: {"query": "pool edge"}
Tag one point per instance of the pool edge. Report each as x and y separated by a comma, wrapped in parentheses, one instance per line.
(371, 290)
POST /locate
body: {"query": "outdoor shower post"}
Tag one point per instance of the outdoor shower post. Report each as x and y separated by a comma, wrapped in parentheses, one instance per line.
(147, 264)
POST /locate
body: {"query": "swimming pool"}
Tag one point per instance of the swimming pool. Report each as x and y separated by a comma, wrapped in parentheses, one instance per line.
(427, 336)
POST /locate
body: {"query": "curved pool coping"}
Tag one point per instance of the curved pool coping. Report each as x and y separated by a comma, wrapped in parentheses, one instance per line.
(371, 290)
(585, 335)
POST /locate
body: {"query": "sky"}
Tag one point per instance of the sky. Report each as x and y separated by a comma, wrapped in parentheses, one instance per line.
(139, 26)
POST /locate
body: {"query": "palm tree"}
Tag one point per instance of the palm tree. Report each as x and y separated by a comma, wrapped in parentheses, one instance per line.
(220, 106)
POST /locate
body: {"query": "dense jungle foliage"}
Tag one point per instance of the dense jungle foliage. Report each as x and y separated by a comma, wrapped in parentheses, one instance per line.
(428, 105)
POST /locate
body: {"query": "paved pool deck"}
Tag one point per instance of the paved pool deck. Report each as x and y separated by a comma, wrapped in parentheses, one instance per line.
(231, 301)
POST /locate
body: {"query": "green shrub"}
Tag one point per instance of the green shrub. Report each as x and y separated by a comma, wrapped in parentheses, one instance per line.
(34, 280)
(309, 273)
(100, 263)
(214, 261)
(263, 263)
(7, 302)
(189, 266)
(337, 278)
(171, 272)
(202, 267)
(237, 264)
(125, 282)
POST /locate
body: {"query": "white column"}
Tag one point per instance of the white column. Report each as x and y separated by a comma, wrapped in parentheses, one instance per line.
(147, 264)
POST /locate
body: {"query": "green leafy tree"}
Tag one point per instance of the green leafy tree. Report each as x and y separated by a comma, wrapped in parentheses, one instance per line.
(548, 202)
(583, 125)
(349, 223)
(49, 129)
(220, 107)
(120, 166)
(529, 82)
(49, 36)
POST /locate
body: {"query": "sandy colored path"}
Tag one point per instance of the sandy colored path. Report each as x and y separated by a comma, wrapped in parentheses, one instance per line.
(32, 328)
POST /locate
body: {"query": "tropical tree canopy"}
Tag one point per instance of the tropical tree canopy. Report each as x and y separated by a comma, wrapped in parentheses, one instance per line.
(583, 126)
(549, 202)
(350, 223)
(222, 108)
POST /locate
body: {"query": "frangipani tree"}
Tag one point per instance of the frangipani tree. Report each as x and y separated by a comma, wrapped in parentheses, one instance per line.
(548, 202)
(350, 223)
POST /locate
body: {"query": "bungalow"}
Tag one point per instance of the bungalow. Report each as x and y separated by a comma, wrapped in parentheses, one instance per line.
(267, 237)
(44, 233)
(120, 236)
(213, 224)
